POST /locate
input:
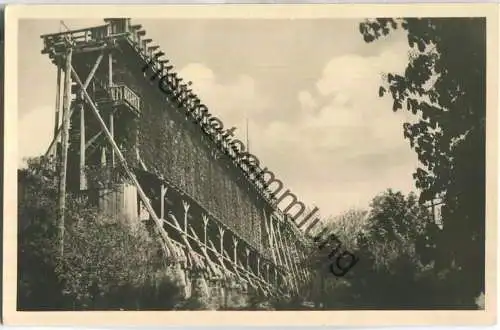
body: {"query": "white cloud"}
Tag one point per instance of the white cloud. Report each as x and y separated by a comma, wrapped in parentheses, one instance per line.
(347, 145)
(306, 100)
(232, 102)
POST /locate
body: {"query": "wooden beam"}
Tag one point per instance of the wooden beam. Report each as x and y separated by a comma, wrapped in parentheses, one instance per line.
(185, 205)
(248, 276)
(292, 263)
(241, 276)
(258, 265)
(222, 256)
(112, 131)
(269, 236)
(83, 182)
(286, 257)
(110, 69)
(276, 243)
(130, 174)
(65, 143)
(184, 234)
(204, 251)
(93, 71)
(235, 251)
(219, 259)
(163, 191)
(58, 101)
(57, 132)
(221, 233)
(205, 224)
(92, 140)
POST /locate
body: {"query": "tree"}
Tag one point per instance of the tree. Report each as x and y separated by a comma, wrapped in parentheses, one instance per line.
(444, 86)
(391, 272)
(37, 196)
(330, 291)
(106, 264)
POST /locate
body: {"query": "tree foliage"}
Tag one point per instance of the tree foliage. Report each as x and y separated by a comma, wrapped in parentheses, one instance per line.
(391, 273)
(106, 264)
(444, 86)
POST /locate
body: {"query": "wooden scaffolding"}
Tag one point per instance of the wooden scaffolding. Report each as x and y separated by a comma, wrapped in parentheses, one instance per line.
(91, 107)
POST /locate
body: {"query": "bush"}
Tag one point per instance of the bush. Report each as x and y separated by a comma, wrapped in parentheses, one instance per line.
(105, 265)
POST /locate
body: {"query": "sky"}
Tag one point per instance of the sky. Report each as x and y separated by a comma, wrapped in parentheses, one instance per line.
(309, 88)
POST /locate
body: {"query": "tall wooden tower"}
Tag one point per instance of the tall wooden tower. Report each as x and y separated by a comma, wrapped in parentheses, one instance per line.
(134, 138)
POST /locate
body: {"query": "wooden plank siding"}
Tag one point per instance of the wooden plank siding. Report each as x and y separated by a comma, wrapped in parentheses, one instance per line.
(173, 146)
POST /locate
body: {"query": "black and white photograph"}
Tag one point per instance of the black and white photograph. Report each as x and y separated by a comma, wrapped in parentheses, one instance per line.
(275, 163)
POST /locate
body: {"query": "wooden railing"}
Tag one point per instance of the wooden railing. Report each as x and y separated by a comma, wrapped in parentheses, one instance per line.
(81, 36)
(121, 28)
(121, 93)
(112, 29)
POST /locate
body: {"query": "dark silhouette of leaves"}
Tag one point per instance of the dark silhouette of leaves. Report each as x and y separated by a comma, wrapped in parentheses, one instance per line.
(444, 86)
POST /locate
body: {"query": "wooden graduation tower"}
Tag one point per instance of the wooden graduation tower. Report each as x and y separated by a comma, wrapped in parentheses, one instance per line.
(118, 127)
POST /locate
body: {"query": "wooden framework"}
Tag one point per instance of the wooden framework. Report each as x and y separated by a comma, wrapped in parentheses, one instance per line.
(184, 236)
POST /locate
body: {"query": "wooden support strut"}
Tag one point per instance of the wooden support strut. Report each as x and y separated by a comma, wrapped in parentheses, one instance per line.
(183, 235)
(285, 256)
(204, 251)
(294, 262)
(205, 224)
(185, 205)
(244, 276)
(83, 180)
(269, 237)
(278, 249)
(65, 143)
(248, 277)
(58, 131)
(295, 271)
(163, 192)
(247, 253)
(130, 174)
(221, 233)
(248, 274)
(58, 102)
(111, 118)
(92, 140)
(219, 258)
(235, 252)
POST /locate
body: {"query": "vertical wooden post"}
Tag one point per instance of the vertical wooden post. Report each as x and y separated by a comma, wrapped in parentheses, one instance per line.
(258, 265)
(110, 69)
(65, 142)
(83, 182)
(58, 100)
(163, 191)
(433, 205)
(112, 131)
(111, 119)
(103, 157)
(221, 232)
(235, 251)
(247, 252)
(205, 224)
(186, 210)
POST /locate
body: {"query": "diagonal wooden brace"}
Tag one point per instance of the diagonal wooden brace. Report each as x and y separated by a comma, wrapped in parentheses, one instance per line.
(85, 85)
(204, 251)
(121, 158)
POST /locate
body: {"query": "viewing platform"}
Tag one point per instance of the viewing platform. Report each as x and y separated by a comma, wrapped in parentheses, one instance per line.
(122, 96)
(118, 32)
